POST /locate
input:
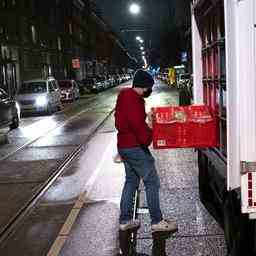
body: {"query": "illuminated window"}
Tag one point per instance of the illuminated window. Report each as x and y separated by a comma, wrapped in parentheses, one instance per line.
(13, 2)
(33, 31)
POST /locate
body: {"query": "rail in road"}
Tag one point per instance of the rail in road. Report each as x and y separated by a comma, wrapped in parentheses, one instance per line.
(18, 216)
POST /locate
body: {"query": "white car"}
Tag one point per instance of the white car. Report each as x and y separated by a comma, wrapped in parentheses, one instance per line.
(39, 95)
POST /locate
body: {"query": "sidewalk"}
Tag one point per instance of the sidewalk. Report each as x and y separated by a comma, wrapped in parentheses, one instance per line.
(95, 232)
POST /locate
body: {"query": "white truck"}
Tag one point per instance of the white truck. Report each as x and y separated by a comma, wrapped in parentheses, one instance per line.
(224, 77)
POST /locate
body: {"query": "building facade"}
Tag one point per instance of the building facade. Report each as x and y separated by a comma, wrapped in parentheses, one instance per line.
(60, 38)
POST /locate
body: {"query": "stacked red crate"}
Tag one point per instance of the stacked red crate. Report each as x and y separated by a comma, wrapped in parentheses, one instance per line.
(184, 127)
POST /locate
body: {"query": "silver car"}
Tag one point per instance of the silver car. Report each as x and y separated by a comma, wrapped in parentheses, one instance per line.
(39, 95)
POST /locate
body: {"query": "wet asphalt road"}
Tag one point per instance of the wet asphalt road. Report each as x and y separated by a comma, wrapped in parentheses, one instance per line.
(50, 139)
(40, 145)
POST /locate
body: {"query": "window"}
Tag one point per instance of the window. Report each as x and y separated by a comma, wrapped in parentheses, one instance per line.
(33, 31)
(51, 86)
(55, 85)
(70, 28)
(59, 43)
(5, 52)
(3, 3)
(33, 87)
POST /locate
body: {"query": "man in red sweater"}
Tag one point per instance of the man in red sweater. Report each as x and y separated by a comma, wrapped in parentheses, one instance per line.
(133, 138)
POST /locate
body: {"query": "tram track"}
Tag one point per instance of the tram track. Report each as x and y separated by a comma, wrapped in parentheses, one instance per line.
(13, 224)
(25, 145)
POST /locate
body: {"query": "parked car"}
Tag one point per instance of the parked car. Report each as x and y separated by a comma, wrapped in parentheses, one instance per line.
(87, 85)
(116, 79)
(120, 79)
(111, 80)
(69, 90)
(39, 95)
(9, 111)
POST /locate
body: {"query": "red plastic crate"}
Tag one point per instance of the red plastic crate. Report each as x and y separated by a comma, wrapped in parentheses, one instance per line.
(184, 127)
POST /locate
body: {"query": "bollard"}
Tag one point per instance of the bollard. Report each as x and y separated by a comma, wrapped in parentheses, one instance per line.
(159, 243)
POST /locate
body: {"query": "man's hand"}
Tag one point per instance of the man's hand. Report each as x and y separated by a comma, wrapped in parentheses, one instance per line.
(150, 119)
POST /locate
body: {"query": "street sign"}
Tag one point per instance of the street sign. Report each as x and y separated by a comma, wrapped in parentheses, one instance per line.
(76, 63)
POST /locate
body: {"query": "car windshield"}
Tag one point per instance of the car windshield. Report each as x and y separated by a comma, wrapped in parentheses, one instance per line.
(33, 87)
(65, 84)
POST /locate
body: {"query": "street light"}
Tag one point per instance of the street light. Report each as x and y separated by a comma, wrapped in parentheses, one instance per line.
(134, 8)
(142, 48)
(138, 38)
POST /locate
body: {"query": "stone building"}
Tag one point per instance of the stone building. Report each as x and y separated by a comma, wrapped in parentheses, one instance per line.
(60, 38)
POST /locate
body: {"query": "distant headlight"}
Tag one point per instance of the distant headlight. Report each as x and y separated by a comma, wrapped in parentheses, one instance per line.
(41, 101)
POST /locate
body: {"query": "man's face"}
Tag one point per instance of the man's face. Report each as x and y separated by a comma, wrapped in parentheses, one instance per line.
(146, 92)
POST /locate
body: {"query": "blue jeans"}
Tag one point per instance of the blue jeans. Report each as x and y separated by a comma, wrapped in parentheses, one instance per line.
(139, 163)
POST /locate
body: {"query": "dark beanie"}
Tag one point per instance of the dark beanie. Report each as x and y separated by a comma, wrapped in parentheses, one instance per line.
(142, 79)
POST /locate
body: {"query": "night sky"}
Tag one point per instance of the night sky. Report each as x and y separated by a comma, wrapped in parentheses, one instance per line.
(162, 24)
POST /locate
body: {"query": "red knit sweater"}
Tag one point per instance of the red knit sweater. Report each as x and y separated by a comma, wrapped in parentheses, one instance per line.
(130, 121)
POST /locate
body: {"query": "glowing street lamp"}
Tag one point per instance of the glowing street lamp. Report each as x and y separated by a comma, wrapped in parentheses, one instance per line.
(138, 38)
(142, 48)
(134, 8)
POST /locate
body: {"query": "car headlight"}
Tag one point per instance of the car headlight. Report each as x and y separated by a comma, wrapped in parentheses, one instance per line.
(41, 101)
